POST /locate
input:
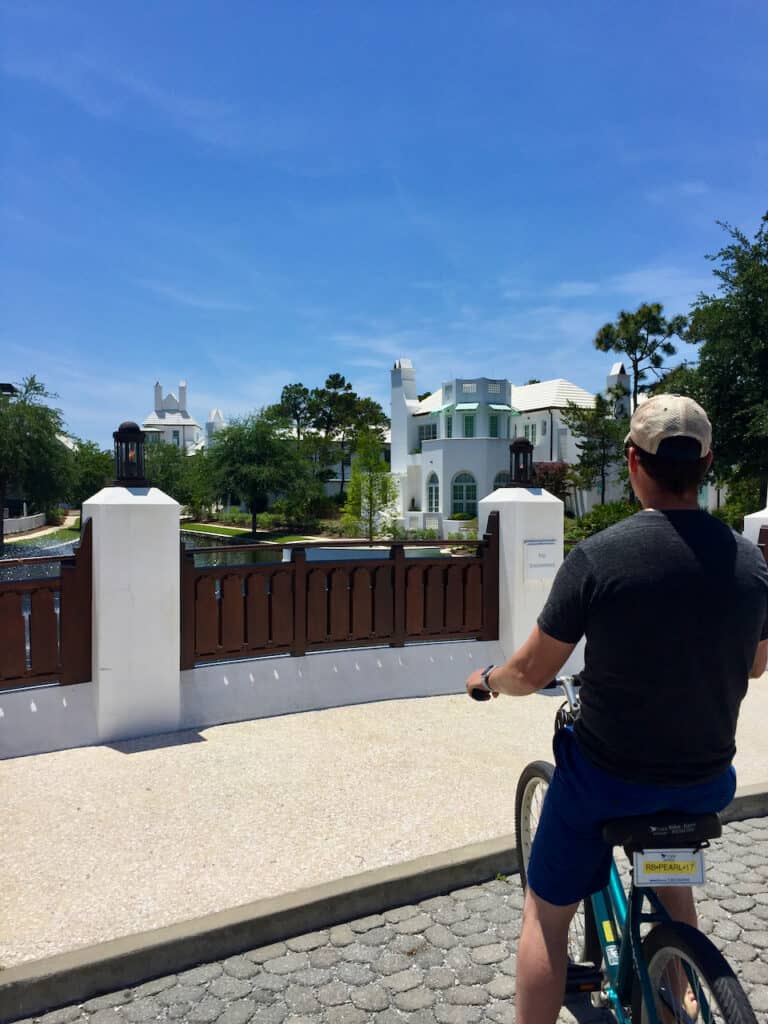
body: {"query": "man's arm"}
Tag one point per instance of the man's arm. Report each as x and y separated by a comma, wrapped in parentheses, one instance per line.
(535, 664)
(761, 660)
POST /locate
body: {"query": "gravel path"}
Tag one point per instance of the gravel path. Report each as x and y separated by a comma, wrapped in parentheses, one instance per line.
(447, 960)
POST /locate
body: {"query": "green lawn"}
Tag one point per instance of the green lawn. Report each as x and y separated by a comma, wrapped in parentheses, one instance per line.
(62, 536)
(223, 531)
(237, 531)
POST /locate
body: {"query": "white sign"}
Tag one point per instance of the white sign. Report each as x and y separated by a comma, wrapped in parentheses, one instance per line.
(669, 867)
(539, 559)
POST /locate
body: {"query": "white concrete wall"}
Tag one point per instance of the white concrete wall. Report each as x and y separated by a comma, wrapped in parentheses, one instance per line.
(23, 523)
(44, 718)
(238, 691)
(753, 523)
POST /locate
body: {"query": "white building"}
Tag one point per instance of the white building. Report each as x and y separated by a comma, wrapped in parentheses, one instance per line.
(452, 448)
(171, 422)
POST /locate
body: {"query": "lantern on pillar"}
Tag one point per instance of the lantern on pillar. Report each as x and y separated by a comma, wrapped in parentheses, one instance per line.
(521, 463)
(129, 456)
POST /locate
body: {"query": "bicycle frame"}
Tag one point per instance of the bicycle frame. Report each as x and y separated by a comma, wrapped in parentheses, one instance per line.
(618, 923)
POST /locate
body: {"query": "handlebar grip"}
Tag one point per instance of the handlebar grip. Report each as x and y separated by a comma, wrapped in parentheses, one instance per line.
(477, 693)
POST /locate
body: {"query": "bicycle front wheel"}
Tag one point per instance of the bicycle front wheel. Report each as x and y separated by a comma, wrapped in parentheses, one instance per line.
(583, 940)
(690, 980)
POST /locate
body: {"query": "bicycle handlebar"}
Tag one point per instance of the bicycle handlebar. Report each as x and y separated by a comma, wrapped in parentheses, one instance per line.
(567, 684)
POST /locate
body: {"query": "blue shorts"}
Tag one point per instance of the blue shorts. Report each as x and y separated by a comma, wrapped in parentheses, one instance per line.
(569, 859)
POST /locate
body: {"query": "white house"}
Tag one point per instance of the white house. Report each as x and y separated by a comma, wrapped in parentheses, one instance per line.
(452, 448)
(171, 422)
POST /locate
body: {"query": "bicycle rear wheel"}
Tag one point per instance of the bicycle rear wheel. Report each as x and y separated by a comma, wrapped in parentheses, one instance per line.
(690, 980)
(583, 940)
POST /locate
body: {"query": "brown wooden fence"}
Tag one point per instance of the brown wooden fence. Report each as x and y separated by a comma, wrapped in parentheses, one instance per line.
(45, 624)
(249, 611)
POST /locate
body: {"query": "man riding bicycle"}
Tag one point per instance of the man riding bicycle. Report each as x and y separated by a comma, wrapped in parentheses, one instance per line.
(674, 608)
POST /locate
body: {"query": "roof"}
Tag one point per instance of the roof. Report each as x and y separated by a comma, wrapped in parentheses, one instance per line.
(550, 394)
(164, 418)
(431, 403)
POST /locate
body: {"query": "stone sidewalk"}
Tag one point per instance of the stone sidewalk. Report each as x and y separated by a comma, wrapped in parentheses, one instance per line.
(447, 960)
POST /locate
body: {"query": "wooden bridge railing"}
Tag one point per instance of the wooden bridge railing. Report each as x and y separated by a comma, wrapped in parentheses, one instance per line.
(45, 623)
(249, 611)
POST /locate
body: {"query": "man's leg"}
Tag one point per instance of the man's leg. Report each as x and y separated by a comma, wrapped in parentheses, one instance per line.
(678, 902)
(542, 960)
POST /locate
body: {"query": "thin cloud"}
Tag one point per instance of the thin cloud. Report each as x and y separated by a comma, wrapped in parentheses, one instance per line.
(195, 300)
(663, 194)
(106, 91)
(574, 289)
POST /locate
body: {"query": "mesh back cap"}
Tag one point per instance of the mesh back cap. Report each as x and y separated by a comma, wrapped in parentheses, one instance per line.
(666, 416)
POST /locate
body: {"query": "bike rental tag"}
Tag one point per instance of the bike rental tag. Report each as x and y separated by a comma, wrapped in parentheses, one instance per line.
(669, 867)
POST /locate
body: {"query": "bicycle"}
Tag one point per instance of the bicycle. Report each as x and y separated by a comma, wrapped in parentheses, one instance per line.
(672, 974)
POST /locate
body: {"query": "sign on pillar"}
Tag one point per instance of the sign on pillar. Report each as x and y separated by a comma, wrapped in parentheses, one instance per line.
(530, 553)
(136, 611)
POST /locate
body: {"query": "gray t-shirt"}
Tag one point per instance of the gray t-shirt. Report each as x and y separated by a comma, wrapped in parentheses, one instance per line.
(673, 605)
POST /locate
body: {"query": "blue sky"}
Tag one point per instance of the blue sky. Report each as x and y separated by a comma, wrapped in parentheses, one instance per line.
(245, 194)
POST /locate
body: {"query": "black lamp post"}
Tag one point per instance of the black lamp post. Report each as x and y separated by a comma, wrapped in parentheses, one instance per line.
(129, 455)
(521, 463)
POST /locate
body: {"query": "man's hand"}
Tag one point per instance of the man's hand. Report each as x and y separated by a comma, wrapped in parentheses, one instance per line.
(475, 682)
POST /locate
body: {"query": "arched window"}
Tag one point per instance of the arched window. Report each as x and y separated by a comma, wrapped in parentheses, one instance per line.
(501, 479)
(433, 493)
(464, 494)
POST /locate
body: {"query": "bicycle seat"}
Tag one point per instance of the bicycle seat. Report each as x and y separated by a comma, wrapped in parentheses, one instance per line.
(665, 830)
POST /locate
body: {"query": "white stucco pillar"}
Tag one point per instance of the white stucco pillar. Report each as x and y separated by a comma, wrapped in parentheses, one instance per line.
(753, 523)
(136, 610)
(530, 553)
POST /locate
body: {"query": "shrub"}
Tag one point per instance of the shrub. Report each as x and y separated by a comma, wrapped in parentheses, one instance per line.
(742, 499)
(598, 519)
(55, 516)
(462, 517)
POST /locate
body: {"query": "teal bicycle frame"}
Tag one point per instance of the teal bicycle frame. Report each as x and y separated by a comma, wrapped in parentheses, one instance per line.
(618, 922)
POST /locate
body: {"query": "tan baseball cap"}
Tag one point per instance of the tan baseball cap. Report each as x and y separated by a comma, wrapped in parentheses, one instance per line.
(667, 416)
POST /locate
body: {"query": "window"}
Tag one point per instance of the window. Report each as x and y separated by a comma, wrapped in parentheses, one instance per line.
(494, 387)
(527, 431)
(501, 480)
(433, 493)
(175, 436)
(514, 430)
(533, 434)
(469, 426)
(464, 494)
(543, 428)
(449, 426)
(493, 426)
(427, 432)
(469, 388)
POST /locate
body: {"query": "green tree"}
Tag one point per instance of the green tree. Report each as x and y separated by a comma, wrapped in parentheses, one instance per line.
(371, 490)
(295, 406)
(644, 338)
(339, 414)
(167, 468)
(254, 460)
(32, 456)
(92, 469)
(732, 329)
(599, 437)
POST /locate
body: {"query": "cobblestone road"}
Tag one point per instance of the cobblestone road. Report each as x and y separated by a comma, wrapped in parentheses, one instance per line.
(448, 960)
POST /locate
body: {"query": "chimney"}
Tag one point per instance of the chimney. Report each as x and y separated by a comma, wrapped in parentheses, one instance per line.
(182, 396)
(158, 396)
